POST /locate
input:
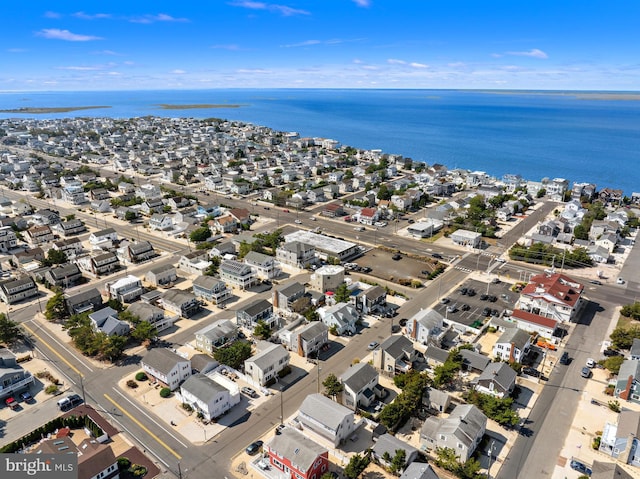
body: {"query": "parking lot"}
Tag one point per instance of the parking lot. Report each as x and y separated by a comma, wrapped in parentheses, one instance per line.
(383, 266)
(492, 298)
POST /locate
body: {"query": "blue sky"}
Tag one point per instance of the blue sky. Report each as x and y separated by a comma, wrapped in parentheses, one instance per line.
(519, 44)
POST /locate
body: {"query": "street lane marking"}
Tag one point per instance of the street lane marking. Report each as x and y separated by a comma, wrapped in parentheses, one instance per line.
(148, 416)
(142, 426)
(64, 360)
(56, 341)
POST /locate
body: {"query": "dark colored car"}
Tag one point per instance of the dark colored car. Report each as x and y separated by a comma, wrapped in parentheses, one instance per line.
(465, 307)
(585, 372)
(564, 359)
(531, 372)
(611, 352)
(484, 297)
(464, 291)
(492, 298)
(396, 257)
(26, 397)
(254, 448)
(436, 255)
(471, 292)
(580, 467)
(595, 281)
(486, 312)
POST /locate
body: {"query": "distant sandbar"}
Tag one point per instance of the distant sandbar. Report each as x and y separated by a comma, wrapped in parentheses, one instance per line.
(578, 95)
(57, 109)
(166, 106)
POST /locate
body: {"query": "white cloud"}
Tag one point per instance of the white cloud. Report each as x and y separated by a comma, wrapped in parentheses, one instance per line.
(106, 52)
(395, 61)
(306, 43)
(80, 68)
(52, 15)
(418, 65)
(253, 70)
(533, 53)
(177, 71)
(270, 7)
(160, 17)
(362, 3)
(95, 16)
(57, 34)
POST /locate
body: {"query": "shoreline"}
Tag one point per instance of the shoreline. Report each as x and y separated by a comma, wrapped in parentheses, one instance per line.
(168, 106)
(55, 109)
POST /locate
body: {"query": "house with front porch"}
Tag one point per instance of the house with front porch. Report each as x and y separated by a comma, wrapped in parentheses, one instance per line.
(258, 310)
(166, 367)
(341, 316)
(180, 302)
(237, 274)
(326, 418)
(622, 440)
(512, 345)
(296, 254)
(498, 379)
(361, 387)
(395, 355)
(216, 335)
(628, 382)
(554, 296)
(306, 339)
(386, 448)
(263, 265)
(212, 396)
(13, 377)
(211, 289)
(426, 327)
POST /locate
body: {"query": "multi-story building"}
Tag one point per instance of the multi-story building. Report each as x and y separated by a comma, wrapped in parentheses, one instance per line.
(554, 296)
(211, 289)
(14, 290)
(8, 239)
(237, 274)
(126, 289)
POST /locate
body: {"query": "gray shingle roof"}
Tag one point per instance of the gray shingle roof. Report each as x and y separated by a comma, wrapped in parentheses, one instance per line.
(324, 410)
(500, 373)
(515, 336)
(300, 450)
(269, 356)
(162, 360)
(397, 346)
(257, 307)
(390, 444)
(358, 376)
(202, 387)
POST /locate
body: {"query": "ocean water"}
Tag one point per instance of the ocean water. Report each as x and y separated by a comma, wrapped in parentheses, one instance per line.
(533, 134)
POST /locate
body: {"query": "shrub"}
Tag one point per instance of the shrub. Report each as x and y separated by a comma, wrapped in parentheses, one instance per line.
(187, 407)
(165, 392)
(138, 470)
(51, 389)
(141, 376)
(284, 371)
(596, 442)
(123, 463)
(491, 329)
(614, 406)
(132, 384)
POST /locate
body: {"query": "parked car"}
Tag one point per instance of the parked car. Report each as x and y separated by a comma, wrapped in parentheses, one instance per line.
(249, 392)
(465, 307)
(533, 372)
(591, 363)
(444, 300)
(611, 352)
(564, 359)
(11, 403)
(580, 467)
(26, 397)
(452, 308)
(486, 312)
(373, 345)
(463, 291)
(620, 281)
(396, 256)
(585, 372)
(595, 281)
(298, 222)
(69, 402)
(484, 297)
(254, 448)
(436, 255)
(471, 292)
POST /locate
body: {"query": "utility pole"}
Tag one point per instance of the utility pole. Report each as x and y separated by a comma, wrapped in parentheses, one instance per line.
(84, 399)
(281, 405)
(491, 448)
(179, 471)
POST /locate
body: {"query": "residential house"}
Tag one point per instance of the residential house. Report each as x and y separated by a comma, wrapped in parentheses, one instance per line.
(435, 400)
(258, 310)
(497, 379)
(285, 297)
(103, 239)
(263, 367)
(38, 235)
(211, 396)
(469, 239)
(331, 421)
(13, 377)
(306, 339)
(473, 360)
(164, 275)
(387, 446)
(23, 258)
(332, 210)
(608, 470)
(95, 460)
(555, 296)
(223, 249)
(160, 222)
(296, 456)
(180, 302)
(15, 290)
(126, 289)
(211, 289)
(263, 265)
(512, 345)
(100, 264)
(166, 367)
(46, 217)
(65, 275)
(368, 216)
(534, 323)
(237, 274)
(462, 431)
(296, 254)
(216, 335)
(395, 355)
(634, 351)
(152, 206)
(90, 300)
(8, 239)
(203, 363)
(151, 314)
(628, 382)
(241, 215)
(148, 192)
(72, 247)
(361, 389)
(426, 327)
(224, 224)
(371, 300)
(622, 440)
(106, 320)
(327, 278)
(419, 470)
(69, 228)
(195, 262)
(341, 316)
(137, 252)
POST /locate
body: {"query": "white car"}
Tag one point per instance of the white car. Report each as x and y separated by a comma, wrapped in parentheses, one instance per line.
(298, 222)
(591, 363)
(313, 218)
(620, 281)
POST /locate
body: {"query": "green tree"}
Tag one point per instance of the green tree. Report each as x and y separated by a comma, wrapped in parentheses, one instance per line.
(130, 215)
(332, 385)
(384, 193)
(342, 293)
(116, 304)
(10, 331)
(201, 234)
(622, 338)
(144, 331)
(129, 317)
(398, 461)
(234, 355)
(54, 256)
(112, 347)
(631, 310)
(213, 268)
(262, 330)
(56, 308)
(356, 465)
(613, 363)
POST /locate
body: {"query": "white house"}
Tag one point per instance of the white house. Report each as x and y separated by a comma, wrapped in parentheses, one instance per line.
(166, 367)
(426, 327)
(328, 419)
(264, 366)
(342, 316)
(212, 396)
